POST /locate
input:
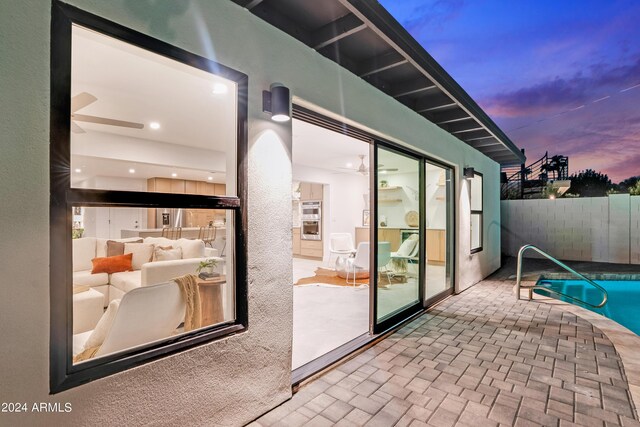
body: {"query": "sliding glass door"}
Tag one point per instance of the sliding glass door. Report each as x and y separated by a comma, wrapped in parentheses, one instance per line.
(413, 232)
(438, 231)
(399, 213)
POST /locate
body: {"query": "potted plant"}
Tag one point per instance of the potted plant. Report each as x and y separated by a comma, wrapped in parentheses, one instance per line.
(205, 269)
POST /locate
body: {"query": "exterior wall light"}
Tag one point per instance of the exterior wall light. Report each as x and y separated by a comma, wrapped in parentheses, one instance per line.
(277, 101)
(468, 173)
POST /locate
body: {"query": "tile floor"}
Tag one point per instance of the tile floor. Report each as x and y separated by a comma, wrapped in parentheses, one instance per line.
(480, 358)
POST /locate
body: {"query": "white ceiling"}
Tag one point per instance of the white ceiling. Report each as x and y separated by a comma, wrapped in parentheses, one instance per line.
(135, 85)
(318, 147)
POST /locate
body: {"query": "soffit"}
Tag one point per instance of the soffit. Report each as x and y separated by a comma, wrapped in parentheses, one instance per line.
(363, 37)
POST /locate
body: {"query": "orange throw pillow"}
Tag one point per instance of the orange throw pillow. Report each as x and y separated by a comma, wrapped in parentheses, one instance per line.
(112, 264)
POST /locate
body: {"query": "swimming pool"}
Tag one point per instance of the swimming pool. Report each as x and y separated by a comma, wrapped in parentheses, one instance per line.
(624, 298)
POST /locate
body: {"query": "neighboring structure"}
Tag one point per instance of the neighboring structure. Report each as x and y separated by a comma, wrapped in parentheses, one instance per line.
(534, 181)
(349, 66)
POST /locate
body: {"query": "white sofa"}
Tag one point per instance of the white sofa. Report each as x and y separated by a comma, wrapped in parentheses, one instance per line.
(115, 285)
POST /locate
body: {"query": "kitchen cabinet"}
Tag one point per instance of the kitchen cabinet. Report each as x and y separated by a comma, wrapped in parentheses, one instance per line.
(219, 190)
(296, 240)
(206, 188)
(159, 185)
(311, 248)
(190, 187)
(391, 235)
(310, 191)
(436, 246)
(177, 186)
(362, 235)
(193, 217)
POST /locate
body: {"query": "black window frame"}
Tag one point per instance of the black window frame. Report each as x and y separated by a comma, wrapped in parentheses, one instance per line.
(479, 212)
(63, 373)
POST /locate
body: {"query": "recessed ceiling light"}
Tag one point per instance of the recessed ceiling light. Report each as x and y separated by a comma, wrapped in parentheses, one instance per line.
(154, 125)
(349, 165)
(132, 170)
(220, 88)
(383, 171)
(210, 178)
(174, 174)
(78, 170)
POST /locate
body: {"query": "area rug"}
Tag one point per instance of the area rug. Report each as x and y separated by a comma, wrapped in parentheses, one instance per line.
(330, 277)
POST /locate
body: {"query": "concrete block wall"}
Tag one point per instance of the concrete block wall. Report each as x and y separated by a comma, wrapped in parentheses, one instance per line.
(600, 229)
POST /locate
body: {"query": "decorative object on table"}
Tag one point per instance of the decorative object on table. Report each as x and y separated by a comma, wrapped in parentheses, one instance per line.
(205, 269)
(384, 184)
(383, 221)
(366, 216)
(412, 218)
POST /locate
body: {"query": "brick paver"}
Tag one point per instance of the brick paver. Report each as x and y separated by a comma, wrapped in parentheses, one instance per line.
(480, 358)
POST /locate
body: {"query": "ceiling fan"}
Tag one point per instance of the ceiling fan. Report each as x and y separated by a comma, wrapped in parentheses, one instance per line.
(364, 170)
(84, 99)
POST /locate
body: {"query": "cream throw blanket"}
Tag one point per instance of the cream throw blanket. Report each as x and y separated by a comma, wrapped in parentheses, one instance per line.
(192, 315)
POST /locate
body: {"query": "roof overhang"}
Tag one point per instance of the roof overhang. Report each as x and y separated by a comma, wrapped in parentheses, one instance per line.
(364, 38)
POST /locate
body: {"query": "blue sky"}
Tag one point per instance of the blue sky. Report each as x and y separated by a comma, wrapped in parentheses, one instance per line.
(554, 75)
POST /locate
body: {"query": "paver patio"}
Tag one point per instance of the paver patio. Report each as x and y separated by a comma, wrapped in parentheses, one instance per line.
(480, 358)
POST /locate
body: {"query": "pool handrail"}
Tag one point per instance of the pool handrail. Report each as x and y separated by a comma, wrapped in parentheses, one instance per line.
(525, 248)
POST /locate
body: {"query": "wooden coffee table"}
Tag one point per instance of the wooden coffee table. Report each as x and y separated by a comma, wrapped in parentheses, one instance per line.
(211, 303)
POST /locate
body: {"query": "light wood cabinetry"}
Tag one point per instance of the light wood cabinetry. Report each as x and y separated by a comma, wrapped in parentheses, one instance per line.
(362, 235)
(296, 240)
(194, 217)
(311, 248)
(177, 186)
(190, 187)
(391, 235)
(436, 246)
(310, 191)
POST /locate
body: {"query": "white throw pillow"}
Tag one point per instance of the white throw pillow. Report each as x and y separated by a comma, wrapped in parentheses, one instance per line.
(142, 253)
(103, 327)
(407, 246)
(162, 253)
(190, 248)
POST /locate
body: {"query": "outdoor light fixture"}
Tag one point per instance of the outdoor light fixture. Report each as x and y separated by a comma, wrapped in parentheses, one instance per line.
(468, 173)
(503, 178)
(277, 102)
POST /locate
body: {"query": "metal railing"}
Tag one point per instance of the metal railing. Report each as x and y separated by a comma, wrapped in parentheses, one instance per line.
(553, 291)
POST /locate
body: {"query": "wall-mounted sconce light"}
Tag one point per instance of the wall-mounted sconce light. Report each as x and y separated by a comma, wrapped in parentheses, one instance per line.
(468, 173)
(277, 101)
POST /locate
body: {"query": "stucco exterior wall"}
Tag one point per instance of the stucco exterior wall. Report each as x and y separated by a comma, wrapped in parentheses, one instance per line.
(232, 381)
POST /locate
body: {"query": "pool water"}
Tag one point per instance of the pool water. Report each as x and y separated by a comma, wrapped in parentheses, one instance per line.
(623, 305)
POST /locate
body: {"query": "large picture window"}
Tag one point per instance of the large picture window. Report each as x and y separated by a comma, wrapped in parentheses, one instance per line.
(147, 198)
(476, 195)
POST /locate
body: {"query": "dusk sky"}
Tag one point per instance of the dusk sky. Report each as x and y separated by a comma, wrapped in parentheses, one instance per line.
(557, 76)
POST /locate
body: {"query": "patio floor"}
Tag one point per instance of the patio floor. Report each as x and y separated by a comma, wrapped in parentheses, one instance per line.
(480, 358)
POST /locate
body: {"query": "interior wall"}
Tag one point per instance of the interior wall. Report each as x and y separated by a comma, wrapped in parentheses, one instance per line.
(343, 199)
(234, 380)
(395, 212)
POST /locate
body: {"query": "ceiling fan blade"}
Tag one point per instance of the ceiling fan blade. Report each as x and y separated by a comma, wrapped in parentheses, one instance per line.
(76, 129)
(388, 169)
(81, 100)
(106, 121)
